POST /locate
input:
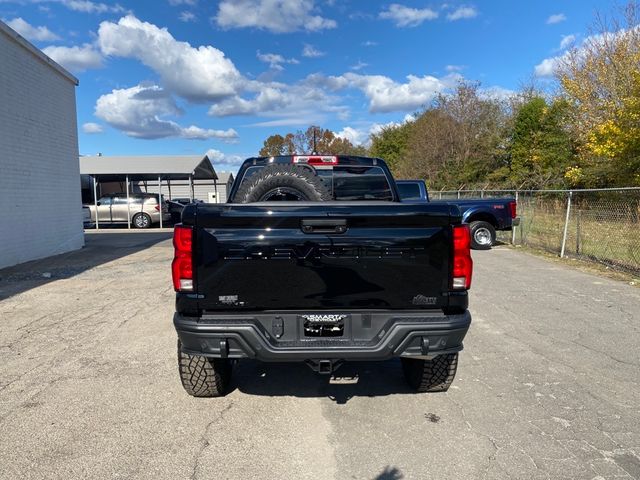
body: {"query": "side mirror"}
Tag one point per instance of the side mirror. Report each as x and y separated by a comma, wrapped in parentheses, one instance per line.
(98, 203)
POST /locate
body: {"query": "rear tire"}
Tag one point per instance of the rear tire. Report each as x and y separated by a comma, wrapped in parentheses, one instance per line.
(283, 182)
(435, 375)
(141, 220)
(202, 376)
(483, 235)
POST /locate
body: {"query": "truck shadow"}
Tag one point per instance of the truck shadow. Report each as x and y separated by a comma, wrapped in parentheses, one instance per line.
(353, 379)
(100, 247)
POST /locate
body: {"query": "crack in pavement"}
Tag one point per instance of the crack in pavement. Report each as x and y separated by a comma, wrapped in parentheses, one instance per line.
(204, 440)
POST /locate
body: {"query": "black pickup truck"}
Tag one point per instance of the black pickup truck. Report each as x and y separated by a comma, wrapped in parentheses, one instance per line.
(315, 259)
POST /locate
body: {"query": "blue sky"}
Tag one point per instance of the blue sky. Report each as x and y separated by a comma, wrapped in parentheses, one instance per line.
(190, 76)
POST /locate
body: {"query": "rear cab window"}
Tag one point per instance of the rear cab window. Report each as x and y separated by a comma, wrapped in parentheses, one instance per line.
(357, 183)
(409, 191)
(345, 182)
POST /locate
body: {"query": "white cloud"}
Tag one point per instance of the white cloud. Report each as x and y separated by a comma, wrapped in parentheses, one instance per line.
(87, 6)
(310, 51)
(276, 16)
(187, 17)
(386, 95)
(196, 133)
(92, 128)
(198, 74)
(137, 111)
(369, 43)
(204, 75)
(379, 127)
(275, 60)
(567, 41)
(356, 137)
(362, 135)
(404, 16)
(454, 68)
(301, 121)
(217, 157)
(463, 12)
(75, 59)
(192, 132)
(298, 105)
(546, 67)
(496, 93)
(175, 3)
(141, 112)
(359, 66)
(278, 100)
(556, 18)
(28, 31)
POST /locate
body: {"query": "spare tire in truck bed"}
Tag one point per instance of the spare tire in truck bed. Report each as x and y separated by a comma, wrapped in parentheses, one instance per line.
(283, 182)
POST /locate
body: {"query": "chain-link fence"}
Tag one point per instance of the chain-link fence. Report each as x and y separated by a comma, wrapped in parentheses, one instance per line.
(600, 225)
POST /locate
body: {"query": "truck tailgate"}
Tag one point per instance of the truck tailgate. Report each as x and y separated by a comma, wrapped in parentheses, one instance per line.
(322, 256)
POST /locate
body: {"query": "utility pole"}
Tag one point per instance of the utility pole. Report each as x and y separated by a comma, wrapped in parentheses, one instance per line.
(315, 151)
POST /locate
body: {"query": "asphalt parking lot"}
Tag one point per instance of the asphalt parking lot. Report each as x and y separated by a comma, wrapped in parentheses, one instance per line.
(548, 385)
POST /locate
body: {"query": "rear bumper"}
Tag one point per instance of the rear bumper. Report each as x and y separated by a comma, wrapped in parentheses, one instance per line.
(155, 217)
(278, 337)
(507, 226)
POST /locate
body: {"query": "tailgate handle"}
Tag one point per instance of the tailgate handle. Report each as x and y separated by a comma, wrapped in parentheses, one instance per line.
(322, 225)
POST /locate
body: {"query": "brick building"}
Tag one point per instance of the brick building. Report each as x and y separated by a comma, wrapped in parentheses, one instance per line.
(40, 207)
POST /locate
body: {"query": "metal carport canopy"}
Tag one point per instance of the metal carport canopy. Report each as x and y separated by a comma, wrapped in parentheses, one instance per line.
(149, 167)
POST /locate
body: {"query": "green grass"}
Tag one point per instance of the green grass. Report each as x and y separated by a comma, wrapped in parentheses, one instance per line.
(607, 233)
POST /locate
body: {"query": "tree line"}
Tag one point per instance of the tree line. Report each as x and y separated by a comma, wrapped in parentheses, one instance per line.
(585, 133)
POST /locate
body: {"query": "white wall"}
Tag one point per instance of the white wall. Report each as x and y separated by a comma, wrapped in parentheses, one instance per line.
(40, 208)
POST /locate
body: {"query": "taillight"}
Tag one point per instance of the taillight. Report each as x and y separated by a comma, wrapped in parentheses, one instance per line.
(462, 263)
(318, 160)
(157, 207)
(513, 207)
(182, 265)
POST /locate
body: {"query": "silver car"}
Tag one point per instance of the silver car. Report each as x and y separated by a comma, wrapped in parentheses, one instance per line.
(143, 209)
(86, 217)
